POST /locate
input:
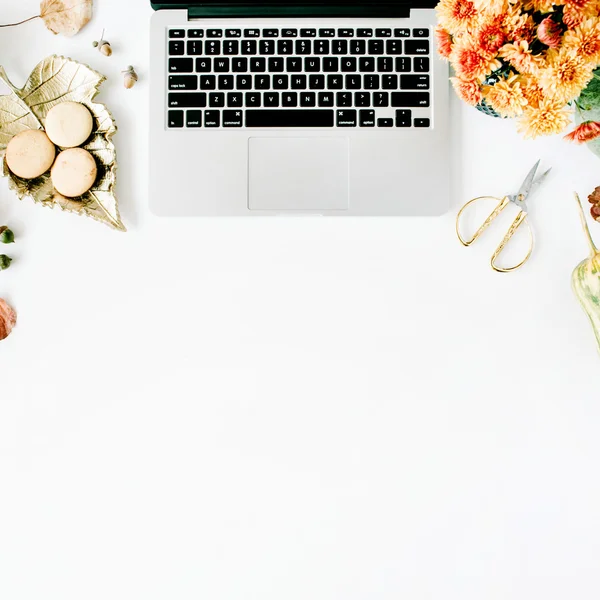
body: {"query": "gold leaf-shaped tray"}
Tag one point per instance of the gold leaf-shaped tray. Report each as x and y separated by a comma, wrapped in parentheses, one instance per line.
(58, 79)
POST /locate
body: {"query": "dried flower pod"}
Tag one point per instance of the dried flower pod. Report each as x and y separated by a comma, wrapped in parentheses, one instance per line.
(6, 235)
(594, 200)
(4, 262)
(130, 77)
(8, 319)
(103, 46)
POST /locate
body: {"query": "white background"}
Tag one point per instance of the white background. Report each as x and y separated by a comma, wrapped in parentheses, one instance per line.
(310, 408)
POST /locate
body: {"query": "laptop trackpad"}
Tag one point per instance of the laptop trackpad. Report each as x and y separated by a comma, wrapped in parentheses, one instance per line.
(298, 173)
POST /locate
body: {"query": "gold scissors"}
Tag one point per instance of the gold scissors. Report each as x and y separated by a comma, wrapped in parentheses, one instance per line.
(519, 199)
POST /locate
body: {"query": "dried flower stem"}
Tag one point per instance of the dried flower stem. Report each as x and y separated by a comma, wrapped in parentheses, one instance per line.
(21, 22)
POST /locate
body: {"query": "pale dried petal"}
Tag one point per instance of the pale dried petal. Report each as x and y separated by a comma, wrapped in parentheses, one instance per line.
(66, 16)
(8, 319)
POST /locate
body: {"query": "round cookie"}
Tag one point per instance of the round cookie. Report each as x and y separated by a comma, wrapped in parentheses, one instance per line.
(30, 154)
(74, 172)
(69, 124)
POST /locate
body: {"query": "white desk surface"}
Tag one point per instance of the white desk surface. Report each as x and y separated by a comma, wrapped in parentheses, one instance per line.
(270, 409)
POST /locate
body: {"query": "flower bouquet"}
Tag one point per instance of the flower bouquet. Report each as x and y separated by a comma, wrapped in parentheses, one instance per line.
(534, 60)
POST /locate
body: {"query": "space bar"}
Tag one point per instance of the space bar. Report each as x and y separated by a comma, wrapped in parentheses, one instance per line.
(289, 118)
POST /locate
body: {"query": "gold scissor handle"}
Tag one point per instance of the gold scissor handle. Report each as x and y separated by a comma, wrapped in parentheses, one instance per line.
(521, 217)
(502, 204)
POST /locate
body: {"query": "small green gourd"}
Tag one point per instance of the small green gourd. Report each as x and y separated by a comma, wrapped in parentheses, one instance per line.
(586, 279)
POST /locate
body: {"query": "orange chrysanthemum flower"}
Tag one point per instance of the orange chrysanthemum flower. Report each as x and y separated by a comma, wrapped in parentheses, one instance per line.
(586, 132)
(491, 37)
(549, 32)
(565, 75)
(576, 11)
(519, 55)
(444, 42)
(506, 97)
(584, 40)
(548, 118)
(456, 15)
(470, 63)
(468, 91)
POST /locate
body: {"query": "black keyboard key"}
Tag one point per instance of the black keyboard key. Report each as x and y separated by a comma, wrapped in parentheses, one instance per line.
(235, 99)
(316, 82)
(271, 99)
(262, 82)
(289, 33)
(326, 99)
(383, 33)
(203, 65)
(289, 99)
(416, 47)
(239, 65)
(402, 33)
(194, 47)
(346, 118)
(371, 82)
(364, 33)
(289, 118)
(243, 82)
(266, 47)
(231, 47)
(249, 47)
(195, 33)
(385, 122)
(331, 65)
(293, 65)
(385, 64)
(221, 65)
(375, 47)
(343, 98)
(270, 33)
(175, 118)
(321, 46)
(251, 33)
(276, 65)
(216, 100)
(183, 100)
(420, 33)
(358, 47)
(393, 47)
(362, 99)
(177, 33)
(212, 47)
(308, 99)
(421, 64)
(402, 64)
(421, 122)
(233, 33)
(285, 47)
(208, 82)
(353, 82)
(225, 82)
(366, 64)
(232, 118)
(308, 33)
(212, 118)
(177, 48)
(193, 118)
(303, 46)
(348, 64)
(181, 65)
(253, 99)
(339, 47)
(345, 33)
(389, 82)
(312, 65)
(414, 82)
(327, 33)
(403, 118)
(366, 118)
(298, 82)
(280, 82)
(410, 99)
(183, 82)
(381, 99)
(335, 82)
(258, 65)
(214, 33)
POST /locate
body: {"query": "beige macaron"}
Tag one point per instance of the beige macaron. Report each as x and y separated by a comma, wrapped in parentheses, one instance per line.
(30, 154)
(69, 124)
(74, 172)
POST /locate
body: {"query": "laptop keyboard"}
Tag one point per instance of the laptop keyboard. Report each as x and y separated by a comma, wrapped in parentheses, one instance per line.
(279, 77)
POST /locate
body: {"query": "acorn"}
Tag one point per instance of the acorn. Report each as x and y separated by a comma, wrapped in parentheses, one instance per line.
(6, 235)
(103, 46)
(130, 77)
(4, 262)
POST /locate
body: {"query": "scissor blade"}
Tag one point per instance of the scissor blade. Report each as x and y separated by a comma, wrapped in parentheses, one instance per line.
(527, 183)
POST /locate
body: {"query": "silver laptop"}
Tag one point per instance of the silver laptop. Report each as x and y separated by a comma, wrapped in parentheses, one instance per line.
(334, 108)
